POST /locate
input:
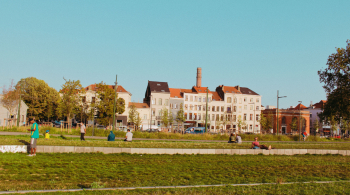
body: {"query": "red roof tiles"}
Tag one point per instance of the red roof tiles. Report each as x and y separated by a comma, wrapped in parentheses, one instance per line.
(138, 105)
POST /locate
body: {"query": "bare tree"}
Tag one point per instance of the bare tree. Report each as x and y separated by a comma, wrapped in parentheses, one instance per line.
(10, 98)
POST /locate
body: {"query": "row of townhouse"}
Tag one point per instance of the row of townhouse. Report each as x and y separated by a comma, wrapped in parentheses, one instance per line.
(227, 106)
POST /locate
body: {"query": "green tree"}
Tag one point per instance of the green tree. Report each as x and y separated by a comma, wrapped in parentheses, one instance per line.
(336, 79)
(266, 121)
(316, 125)
(180, 117)
(70, 98)
(171, 120)
(105, 104)
(165, 117)
(333, 123)
(294, 124)
(138, 121)
(133, 115)
(345, 126)
(241, 123)
(41, 99)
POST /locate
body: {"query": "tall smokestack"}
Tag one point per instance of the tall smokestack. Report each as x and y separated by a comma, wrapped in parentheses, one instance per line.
(199, 77)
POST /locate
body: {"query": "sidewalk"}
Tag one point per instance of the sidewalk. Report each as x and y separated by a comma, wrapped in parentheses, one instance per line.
(148, 139)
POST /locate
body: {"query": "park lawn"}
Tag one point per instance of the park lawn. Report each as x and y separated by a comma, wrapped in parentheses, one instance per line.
(165, 135)
(68, 141)
(300, 188)
(74, 170)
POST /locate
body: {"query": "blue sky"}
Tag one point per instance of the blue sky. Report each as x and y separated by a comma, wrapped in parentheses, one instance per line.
(264, 45)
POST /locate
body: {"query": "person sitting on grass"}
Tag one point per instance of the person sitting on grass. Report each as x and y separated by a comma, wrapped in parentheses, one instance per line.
(256, 145)
(111, 136)
(238, 139)
(128, 136)
(231, 139)
(47, 134)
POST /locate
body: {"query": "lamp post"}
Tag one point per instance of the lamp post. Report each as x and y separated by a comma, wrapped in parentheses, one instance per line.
(299, 120)
(206, 113)
(115, 94)
(278, 97)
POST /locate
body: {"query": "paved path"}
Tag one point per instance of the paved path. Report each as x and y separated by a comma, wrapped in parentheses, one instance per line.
(149, 139)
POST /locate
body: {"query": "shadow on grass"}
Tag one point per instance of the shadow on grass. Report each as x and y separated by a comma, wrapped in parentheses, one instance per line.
(25, 143)
(84, 186)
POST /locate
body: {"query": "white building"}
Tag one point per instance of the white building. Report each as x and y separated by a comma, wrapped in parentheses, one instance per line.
(5, 114)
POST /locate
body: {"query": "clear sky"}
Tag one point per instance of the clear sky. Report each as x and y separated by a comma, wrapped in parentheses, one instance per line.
(264, 45)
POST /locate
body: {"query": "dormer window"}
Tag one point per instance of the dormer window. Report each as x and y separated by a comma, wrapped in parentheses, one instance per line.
(158, 84)
(162, 90)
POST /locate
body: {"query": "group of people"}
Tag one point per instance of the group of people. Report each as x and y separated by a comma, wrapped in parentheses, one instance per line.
(255, 143)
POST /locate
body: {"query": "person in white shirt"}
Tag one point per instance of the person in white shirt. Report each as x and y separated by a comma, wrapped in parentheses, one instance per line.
(82, 131)
(128, 136)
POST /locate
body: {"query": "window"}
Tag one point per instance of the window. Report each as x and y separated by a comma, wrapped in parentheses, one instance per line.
(166, 102)
(245, 117)
(213, 117)
(234, 118)
(186, 97)
(191, 107)
(153, 111)
(186, 107)
(160, 101)
(222, 109)
(257, 117)
(251, 117)
(154, 101)
(257, 107)
(195, 107)
(240, 109)
(245, 99)
(222, 118)
(234, 108)
(218, 108)
(191, 98)
(190, 114)
(251, 107)
(185, 115)
(93, 99)
(204, 107)
(199, 99)
(145, 116)
(250, 127)
(229, 100)
(217, 117)
(199, 117)
(159, 112)
(228, 108)
(235, 100)
(213, 109)
(209, 117)
(171, 106)
(240, 100)
(158, 84)
(199, 107)
(245, 107)
(251, 100)
(195, 98)
(175, 106)
(204, 99)
(257, 100)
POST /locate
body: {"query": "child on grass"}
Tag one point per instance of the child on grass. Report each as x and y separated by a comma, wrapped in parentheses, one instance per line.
(47, 134)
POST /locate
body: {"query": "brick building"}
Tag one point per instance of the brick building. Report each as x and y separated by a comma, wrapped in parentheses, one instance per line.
(286, 117)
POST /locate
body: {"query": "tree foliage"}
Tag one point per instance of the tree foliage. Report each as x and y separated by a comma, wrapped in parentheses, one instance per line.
(336, 79)
(165, 117)
(41, 99)
(294, 124)
(180, 116)
(10, 98)
(105, 104)
(70, 97)
(266, 122)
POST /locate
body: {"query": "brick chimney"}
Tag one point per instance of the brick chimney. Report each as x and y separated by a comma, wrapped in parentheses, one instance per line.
(199, 77)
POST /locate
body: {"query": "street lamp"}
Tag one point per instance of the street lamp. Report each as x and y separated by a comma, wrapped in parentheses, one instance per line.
(278, 97)
(299, 120)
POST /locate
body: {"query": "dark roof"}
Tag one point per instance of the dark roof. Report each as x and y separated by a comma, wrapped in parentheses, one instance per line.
(245, 90)
(156, 86)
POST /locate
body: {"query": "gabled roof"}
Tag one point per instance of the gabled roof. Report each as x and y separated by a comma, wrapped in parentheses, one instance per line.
(229, 89)
(246, 90)
(156, 86)
(300, 107)
(200, 89)
(138, 105)
(178, 92)
(93, 88)
(320, 104)
(216, 96)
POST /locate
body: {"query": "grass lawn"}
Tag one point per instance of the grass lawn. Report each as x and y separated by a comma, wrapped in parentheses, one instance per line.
(162, 135)
(67, 141)
(72, 170)
(310, 189)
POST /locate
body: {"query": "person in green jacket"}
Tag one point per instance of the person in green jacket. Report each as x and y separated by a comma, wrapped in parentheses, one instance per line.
(111, 136)
(34, 135)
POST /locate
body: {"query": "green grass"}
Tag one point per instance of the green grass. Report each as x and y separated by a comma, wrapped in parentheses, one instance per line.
(67, 141)
(69, 171)
(309, 189)
(206, 136)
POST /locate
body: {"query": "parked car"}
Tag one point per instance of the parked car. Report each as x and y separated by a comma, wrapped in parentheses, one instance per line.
(188, 130)
(198, 130)
(152, 130)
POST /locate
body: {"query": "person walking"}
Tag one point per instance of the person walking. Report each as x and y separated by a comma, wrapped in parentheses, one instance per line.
(82, 131)
(34, 135)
